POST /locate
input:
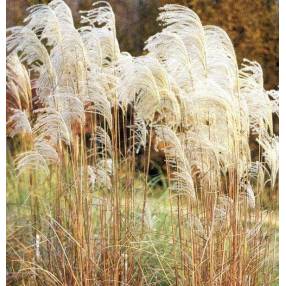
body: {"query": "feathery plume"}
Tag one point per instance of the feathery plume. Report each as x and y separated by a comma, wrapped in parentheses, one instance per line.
(18, 123)
(181, 178)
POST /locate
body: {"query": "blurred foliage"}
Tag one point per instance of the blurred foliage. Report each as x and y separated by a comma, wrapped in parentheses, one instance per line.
(251, 24)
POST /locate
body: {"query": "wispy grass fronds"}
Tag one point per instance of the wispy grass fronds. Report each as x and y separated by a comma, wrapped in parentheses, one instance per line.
(18, 123)
(130, 170)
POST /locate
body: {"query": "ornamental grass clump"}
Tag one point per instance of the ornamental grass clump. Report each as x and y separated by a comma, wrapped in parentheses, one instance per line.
(86, 122)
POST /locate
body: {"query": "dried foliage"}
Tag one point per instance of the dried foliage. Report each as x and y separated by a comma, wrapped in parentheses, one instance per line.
(252, 25)
(84, 113)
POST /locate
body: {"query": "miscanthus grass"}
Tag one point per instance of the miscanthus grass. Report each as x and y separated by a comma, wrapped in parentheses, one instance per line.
(86, 125)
